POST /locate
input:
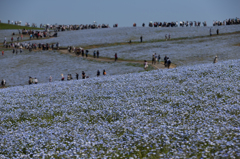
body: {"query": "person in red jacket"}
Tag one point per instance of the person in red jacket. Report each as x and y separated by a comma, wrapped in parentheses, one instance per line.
(3, 52)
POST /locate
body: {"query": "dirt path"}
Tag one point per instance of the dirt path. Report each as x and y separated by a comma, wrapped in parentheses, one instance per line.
(107, 59)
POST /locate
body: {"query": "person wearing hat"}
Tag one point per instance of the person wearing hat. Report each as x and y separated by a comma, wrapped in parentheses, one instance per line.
(215, 59)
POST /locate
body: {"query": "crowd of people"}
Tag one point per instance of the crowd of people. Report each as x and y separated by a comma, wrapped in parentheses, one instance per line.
(18, 46)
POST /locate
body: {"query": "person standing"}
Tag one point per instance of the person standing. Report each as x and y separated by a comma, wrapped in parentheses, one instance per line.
(62, 79)
(166, 37)
(21, 36)
(159, 57)
(141, 38)
(30, 81)
(2, 52)
(98, 73)
(86, 53)
(36, 80)
(156, 58)
(210, 31)
(83, 75)
(145, 64)
(217, 31)
(50, 79)
(5, 39)
(3, 83)
(12, 39)
(94, 54)
(104, 72)
(165, 61)
(215, 59)
(116, 57)
(77, 76)
(168, 62)
(97, 54)
(153, 59)
(169, 36)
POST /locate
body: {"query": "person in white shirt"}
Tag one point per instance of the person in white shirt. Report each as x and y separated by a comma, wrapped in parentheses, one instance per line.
(36, 80)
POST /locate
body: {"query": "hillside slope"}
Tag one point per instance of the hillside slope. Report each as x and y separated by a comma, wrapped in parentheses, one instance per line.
(184, 112)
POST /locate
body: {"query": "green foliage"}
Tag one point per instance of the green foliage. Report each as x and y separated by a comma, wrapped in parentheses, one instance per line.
(11, 26)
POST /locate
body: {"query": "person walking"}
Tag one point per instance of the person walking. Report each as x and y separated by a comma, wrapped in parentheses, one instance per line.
(94, 54)
(166, 37)
(210, 31)
(116, 57)
(169, 36)
(141, 38)
(2, 52)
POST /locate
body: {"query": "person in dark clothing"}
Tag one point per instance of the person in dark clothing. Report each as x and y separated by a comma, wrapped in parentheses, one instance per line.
(82, 53)
(141, 38)
(97, 54)
(165, 61)
(217, 31)
(83, 75)
(86, 53)
(116, 57)
(77, 76)
(98, 73)
(3, 83)
(94, 54)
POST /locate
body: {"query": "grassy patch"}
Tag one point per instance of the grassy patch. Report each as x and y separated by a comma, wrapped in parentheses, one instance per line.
(11, 26)
(237, 44)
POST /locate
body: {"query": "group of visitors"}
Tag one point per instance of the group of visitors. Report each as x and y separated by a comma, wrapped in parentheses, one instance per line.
(32, 80)
(210, 32)
(18, 47)
(167, 37)
(155, 58)
(98, 73)
(167, 62)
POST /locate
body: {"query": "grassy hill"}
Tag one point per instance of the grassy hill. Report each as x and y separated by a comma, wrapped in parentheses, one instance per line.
(11, 26)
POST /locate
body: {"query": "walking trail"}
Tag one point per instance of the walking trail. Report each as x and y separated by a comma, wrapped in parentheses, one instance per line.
(107, 59)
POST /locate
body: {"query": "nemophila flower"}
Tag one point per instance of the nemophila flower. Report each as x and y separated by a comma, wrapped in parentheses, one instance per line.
(155, 114)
